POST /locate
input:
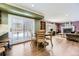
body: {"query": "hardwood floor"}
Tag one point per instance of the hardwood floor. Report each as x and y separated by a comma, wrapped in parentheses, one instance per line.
(61, 47)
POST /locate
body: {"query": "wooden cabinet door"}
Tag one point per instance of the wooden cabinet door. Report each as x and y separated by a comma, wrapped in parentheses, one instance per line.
(42, 25)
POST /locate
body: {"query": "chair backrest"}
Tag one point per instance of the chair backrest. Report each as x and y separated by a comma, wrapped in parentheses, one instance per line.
(49, 36)
(41, 35)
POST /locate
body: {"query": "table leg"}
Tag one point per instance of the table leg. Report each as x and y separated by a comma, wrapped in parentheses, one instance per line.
(9, 46)
(51, 42)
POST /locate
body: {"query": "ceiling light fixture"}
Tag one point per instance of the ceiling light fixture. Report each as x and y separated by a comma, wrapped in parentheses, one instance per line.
(67, 15)
(32, 5)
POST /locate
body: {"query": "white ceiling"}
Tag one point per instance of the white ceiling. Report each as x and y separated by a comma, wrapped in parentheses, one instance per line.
(55, 12)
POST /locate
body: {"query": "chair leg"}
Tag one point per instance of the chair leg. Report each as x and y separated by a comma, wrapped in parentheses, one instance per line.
(9, 46)
(44, 46)
(51, 43)
(4, 54)
(37, 46)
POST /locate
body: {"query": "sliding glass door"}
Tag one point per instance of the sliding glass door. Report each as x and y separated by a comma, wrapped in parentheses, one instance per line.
(21, 29)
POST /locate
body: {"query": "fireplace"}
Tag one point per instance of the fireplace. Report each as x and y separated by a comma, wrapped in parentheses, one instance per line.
(67, 29)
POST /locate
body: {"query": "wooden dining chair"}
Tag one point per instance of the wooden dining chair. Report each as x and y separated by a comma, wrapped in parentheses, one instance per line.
(40, 37)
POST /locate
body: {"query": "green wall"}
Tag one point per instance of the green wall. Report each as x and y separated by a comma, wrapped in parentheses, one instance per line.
(37, 25)
(4, 18)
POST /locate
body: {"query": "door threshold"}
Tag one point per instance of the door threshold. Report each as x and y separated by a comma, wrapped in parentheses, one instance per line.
(22, 42)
